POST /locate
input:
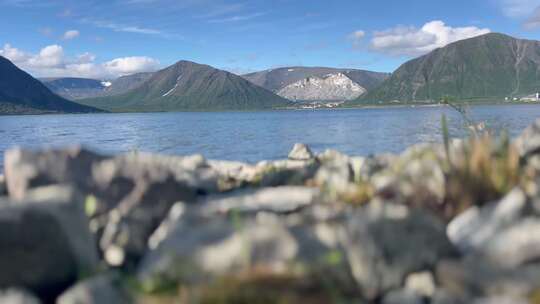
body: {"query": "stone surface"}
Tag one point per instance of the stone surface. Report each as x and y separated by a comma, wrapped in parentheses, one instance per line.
(3, 188)
(475, 277)
(421, 283)
(301, 152)
(528, 143)
(25, 169)
(488, 230)
(387, 242)
(286, 199)
(402, 296)
(192, 248)
(102, 289)
(45, 241)
(17, 296)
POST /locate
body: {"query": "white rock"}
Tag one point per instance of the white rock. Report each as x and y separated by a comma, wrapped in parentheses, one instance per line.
(422, 283)
(301, 152)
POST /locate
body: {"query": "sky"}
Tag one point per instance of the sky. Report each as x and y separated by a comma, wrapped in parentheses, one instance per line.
(106, 39)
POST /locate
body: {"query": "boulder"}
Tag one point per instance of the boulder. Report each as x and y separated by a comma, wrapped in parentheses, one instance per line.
(528, 143)
(402, 296)
(17, 296)
(386, 242)
(26, 169)
(421, 283)
(285, 173)
(3, 188)
(280, 200)
(301, 152)
(475, 277)
(488, 230)
(45, 240)
(196, 249)
(102, 289)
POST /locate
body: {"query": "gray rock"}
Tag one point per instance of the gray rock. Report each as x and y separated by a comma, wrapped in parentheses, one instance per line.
(192, 249)
(501, 300)
(301, 152)
(386, 242)
(3, 188)
(402, 296)
(45, 241)
(528, 143)
(488, 230)
(284, 199)
(25, 169)
(476, 277)
(17, 296)
(421, 283)
(101, 289)
(285, 172)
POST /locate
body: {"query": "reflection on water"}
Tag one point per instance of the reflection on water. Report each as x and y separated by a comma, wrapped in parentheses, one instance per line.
(253, 136)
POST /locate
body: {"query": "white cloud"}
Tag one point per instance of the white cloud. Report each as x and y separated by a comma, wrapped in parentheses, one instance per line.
(518, 8)
(411, 41)
(533, 21)
(356, 37)
(51, 61)
(71, 34)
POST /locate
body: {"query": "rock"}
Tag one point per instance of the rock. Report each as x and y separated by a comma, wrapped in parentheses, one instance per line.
(45, 241)
(421, 283)
(102, 289)
(27, 169)
(478, 230)
(17, 296)
(285, 199)
(301, 152)
(476, 277)
(501, 300)
(193, 249)
(3, 188)
(402, 296)
(386, 242)
(285, 172)
(441, 296)
(528, 143)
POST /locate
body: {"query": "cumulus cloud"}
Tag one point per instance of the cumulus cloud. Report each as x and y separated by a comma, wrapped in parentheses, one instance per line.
(518, 8)
(411, 41)
(533, 22)
(356, 37)
(71, 34)
(51, 61)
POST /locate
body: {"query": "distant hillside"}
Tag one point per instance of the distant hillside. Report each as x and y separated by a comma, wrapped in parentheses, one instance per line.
(488, 66)
(276, 80)
(331, 87)
(81, 88)
(20, 93)
(191, 86)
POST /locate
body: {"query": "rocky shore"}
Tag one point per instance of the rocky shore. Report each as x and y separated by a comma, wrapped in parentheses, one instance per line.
(457, 222)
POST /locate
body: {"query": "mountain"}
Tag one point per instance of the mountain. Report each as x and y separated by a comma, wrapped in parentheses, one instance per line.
(21, 93)
(191, 86)
(75, 88)
(291, 79)
(329, 87)
(491, 66)
(81, 88)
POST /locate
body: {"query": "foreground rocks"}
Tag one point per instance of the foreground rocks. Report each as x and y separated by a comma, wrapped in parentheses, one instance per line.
(452, 223)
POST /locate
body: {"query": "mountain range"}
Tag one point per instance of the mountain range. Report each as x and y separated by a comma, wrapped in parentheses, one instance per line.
(81, 88)
(21, 93)
(194, 87)
(489, 67)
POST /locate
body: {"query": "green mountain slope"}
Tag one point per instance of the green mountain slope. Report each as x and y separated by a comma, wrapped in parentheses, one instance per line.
(20, 93)
(489, 66)
(191, 86)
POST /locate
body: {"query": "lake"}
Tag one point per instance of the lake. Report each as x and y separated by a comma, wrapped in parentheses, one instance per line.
(255, 136)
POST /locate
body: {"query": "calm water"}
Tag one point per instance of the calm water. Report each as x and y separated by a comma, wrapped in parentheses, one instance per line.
(254, 136)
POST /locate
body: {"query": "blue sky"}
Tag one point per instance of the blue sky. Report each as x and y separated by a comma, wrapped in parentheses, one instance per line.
(105, 39)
